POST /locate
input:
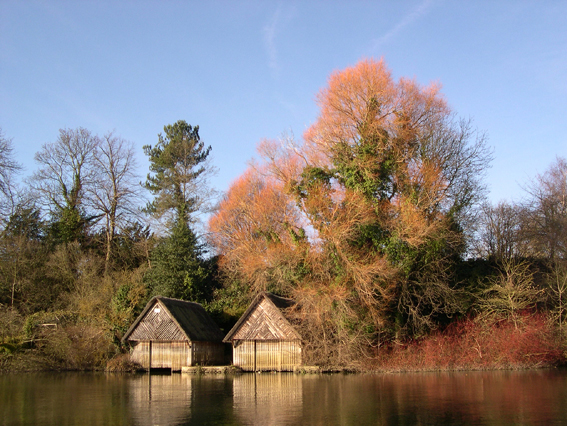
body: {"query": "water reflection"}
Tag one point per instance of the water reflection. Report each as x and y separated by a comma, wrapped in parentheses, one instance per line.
(63, 399)
(478, 398)
(159, 400)
(268, 398)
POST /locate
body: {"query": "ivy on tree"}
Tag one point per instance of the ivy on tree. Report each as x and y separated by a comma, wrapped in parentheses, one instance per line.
(66, 171)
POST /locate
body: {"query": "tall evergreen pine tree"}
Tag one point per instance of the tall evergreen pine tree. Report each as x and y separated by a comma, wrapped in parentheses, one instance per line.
(177, 162)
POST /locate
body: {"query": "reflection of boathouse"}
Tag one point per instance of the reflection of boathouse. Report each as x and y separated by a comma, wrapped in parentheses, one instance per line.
(159, 400)
(172, 333)
(269, 399)
(263, 338)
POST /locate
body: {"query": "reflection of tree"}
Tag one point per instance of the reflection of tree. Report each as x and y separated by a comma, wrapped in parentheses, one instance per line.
(269, 398)
(496, 398)
(464, 398)
(62, 399)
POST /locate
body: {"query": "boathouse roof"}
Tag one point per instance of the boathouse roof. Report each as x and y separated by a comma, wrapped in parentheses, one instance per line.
(167, 319)
(264, 319)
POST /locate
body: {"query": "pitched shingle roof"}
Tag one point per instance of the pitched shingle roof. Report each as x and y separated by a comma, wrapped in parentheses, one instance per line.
(264, 322)
(191, 319)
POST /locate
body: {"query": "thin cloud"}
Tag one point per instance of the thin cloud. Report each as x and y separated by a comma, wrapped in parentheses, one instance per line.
(270, 31)
(408, 19)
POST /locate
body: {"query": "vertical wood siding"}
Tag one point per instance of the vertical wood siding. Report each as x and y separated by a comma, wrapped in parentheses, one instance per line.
(267, 355)
(207, 353)
(172, 355)
(175, 355)
(140, 354)
(243, 355)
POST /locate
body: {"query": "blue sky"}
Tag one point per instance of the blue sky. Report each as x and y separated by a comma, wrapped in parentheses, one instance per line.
(248, 70)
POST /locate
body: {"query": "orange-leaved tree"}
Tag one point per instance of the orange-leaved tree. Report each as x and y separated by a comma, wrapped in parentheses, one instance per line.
(362, 222)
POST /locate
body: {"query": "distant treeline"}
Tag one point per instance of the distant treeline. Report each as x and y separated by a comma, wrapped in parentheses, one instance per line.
(375, 222)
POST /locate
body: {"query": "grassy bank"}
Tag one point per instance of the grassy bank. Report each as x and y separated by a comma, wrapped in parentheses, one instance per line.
(75, 346)
(528, 341)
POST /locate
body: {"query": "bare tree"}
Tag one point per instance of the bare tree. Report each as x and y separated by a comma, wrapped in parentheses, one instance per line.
(499, 233)
(545, 219)
(66, 171)
(116, 191)
(510, 292)
(463, 155)
(557, 293)
(8, 168)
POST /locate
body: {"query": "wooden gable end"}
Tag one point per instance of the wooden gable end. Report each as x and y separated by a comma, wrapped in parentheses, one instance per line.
(157, 324)
(265, 322)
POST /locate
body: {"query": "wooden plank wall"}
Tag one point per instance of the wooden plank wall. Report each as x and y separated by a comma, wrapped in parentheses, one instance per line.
(175, 355)
(267, 355)
(172, 355)
(207, 353)
(140, 354)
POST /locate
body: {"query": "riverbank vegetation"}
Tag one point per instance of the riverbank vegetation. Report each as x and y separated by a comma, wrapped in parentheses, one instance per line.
(376, 223)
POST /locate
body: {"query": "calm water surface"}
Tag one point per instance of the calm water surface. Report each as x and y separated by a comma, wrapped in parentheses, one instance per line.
(477, 398)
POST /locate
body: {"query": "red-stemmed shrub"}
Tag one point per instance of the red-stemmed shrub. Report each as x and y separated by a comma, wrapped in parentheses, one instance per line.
(469, 344)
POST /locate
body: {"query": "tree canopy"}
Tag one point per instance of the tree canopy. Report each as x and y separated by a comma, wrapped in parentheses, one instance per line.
(178, 164)
(366, 222)
(66, 171)
(359, 222)
(8, 168)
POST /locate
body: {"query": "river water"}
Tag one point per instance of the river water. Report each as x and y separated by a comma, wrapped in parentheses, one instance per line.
(473, 398)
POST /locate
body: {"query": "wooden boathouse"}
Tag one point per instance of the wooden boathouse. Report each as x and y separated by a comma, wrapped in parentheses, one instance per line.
(172, 333)
(263, 339)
